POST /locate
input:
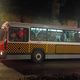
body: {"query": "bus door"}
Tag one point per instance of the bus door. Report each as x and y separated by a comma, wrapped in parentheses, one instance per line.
(18, 40)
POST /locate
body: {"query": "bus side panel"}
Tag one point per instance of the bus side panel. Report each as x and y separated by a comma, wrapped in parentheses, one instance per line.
(36, 46)
(68, 49)
(17, 48)
(28, 48)
(48, 48)
(51, 49)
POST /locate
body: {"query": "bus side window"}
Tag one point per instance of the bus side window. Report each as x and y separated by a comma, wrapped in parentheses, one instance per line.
(38, 34)
(32, 36)
(51, 35)
(12, 34)
(76, 36)
(63, 37)
(23, 34)
(59, 35)
(18, 34)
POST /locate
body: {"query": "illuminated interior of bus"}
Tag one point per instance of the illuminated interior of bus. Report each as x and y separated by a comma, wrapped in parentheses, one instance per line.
(56, 35)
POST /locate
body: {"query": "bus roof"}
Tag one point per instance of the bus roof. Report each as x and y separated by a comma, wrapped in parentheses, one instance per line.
(28, 25)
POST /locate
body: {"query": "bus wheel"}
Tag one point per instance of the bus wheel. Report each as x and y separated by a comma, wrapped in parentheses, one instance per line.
(38, 56)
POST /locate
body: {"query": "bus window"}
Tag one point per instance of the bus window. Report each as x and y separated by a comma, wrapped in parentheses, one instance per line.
(66, 36)
(38, 34)
(79, 35)
(76, 36)
(70, 36)
(51, 35)
(18, 34)
(59, 35)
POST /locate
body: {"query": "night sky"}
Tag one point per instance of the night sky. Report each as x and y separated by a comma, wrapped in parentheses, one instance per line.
(68, 8)
(33, 7)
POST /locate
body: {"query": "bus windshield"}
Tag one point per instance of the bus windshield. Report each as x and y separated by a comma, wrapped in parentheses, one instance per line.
(2, 35)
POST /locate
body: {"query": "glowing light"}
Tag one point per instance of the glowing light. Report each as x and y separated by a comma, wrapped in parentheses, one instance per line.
(1, 53)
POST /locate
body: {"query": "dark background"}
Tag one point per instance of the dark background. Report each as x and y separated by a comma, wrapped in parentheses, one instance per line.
(67, 9)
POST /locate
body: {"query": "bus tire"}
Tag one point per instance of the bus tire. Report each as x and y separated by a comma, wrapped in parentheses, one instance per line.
(38, 56)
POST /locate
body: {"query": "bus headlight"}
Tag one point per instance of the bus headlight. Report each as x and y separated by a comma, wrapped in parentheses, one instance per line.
(1, 52)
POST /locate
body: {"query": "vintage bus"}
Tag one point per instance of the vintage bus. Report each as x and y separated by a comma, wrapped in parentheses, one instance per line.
(38, 41)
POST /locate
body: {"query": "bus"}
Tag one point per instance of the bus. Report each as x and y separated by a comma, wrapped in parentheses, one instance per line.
(38, 42)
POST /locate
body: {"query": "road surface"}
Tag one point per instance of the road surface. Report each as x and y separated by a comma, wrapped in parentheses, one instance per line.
(23, 68)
